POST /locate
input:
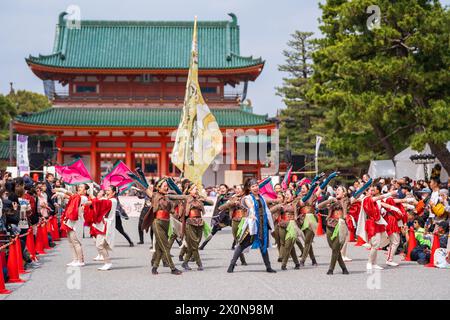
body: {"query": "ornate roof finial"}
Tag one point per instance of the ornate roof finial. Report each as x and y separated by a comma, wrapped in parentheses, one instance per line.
(235, 20)
(11, 90)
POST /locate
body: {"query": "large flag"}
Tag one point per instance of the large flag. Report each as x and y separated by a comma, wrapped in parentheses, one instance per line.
(118, 177)
(74, 173)
(266, 189)
(287, 179)
(199, 139)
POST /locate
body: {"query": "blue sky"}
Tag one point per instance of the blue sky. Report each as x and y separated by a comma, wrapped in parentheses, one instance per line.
(27, 27)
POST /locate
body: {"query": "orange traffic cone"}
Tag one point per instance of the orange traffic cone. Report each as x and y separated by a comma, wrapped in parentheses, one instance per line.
(435, 246)
(13, 268)
(39, 241)
(45, 237)
(359, 242)
(30, 244)
(3, 257)
(319, 231)
(3, 289)
(19, 257)
(412, 243)
(55, 230)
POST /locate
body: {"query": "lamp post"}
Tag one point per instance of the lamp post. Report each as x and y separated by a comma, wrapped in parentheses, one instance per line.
(424, 159)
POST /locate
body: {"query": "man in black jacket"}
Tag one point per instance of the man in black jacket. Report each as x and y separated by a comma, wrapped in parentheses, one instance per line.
(49, 180)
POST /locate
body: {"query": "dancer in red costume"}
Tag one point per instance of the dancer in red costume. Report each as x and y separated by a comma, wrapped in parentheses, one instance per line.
(70, 217)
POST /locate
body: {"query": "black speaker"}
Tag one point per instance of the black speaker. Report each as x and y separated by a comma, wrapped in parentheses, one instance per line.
(37, 161)
(298, 162)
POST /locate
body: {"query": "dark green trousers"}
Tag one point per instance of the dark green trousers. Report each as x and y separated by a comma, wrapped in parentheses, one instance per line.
(193, 239)
(162, 247)
(234, 229)
(309, 237)
(336, 248)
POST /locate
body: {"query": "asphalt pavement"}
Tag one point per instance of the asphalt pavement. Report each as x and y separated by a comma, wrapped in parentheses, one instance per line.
(131, 276)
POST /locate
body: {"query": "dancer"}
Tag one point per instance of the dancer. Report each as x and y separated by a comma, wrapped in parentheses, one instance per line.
(287, 230)
(396, 217)
(221, 218)
(103, 227)
(70, 217)
(255, 229)
(306, 219)
(238, 212)
(276, 208)
(147, 205)
(336, 227)
(120, 212)
(194, 212)
(372, 228)
(161, 208)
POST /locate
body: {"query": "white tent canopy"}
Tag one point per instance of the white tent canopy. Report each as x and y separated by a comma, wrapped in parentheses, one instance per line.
(404, 167)
(382, 169)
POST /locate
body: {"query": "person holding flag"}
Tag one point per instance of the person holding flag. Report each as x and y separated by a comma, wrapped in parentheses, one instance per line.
(74, 210)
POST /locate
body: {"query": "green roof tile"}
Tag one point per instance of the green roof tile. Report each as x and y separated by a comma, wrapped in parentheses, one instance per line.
(4, 150)
(133, 117)
(145, 45)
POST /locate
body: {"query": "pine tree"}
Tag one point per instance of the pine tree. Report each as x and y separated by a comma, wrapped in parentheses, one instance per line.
(299, 115)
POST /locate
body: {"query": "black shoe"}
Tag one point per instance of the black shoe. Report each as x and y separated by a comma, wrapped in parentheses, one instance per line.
(154, 271)
(186, 266)
(330, 272)
(230, 268)
(314, 263)
(270, 270)
(140, 242)
(244, 263)
(131, 244)
(345, 271)
(200, 268)
(280, 260)
(284, 268)
(233, 247)
(297, 267)
(176, 272)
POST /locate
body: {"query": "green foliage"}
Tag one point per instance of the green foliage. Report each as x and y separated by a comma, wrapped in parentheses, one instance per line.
(27, 101)
(7, 111)
(386, 88)
(295, 86)
(16, 103)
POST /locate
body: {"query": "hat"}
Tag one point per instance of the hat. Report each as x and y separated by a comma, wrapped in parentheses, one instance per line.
(425, 190)
(444, 191)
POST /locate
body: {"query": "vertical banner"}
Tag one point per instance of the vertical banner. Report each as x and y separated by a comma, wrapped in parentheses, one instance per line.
(23, 163)
(318, 142)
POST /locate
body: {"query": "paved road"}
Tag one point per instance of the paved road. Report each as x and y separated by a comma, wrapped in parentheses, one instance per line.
(131, 277)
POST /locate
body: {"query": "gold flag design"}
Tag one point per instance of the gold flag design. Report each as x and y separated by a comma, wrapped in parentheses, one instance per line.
(199, 139)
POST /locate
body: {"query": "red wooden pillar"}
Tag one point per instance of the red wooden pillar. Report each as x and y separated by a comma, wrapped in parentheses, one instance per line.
(233, 152)
(163, 156)
(128, 150)
(94, 162)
